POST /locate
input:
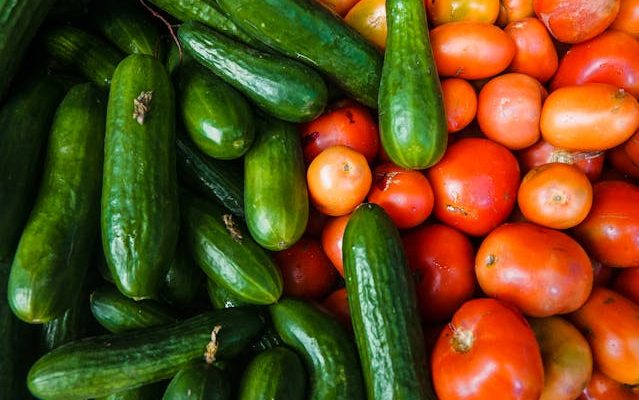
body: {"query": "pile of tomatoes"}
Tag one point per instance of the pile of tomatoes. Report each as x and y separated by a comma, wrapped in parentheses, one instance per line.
(524, 239)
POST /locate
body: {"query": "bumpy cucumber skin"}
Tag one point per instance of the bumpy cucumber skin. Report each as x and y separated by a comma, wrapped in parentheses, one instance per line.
(183, 279)
(282, 87)
(383, 307)
(101, 365)
(329, 353)
(413, 127)
(140, 218)
(277, 373)
(198, 381)
(275, 192)
(57, 242)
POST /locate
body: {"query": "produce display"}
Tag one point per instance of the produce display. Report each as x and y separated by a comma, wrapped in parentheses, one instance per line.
(319, 199)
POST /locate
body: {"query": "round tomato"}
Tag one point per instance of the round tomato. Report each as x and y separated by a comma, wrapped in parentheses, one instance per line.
(487, 349)
(514, 10)
(627, 284)
(460, 103)
(632, 148)
(368, 17)
(536, 55)
(628, 18)
(610, 233)
(475, 185)
(443, 11)
(339, 7)
(339, 179)
(620, 160)
(332, 236)
(600, 387)
(337, 304)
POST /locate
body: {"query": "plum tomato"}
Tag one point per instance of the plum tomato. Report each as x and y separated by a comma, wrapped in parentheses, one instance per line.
(332, 236)
(600, 387)
(460, 103)
(514, 10)
(443, 11)
(368, 17)
(626, 283)
(536, 55)
(628, 18)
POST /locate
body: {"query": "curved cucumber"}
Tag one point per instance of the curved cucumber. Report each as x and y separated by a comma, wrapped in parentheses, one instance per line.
(274, 374)
(199, 381)
(220, 297)
(183, 280)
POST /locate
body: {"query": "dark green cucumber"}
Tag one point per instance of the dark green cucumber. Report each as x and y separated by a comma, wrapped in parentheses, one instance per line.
(228, 255)
(307, 31)
(275, 193)
(57, 242)
(25, 121)
(217, 117)
(101, 365)
(383, 307)
(217, 180)
(199, 381)
(90, 55)
(19, 21)
(183, 280)
(148, 392)
(139, 195)
(220, 297)
(274, 374)
(328, 351)
(268, 340)
(280, 86)
(411, 110)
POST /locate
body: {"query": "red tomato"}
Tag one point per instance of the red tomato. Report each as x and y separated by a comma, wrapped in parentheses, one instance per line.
(471, 50)
(514, 10)
(368, 17)
(339, 7)
(443, 11)
(541, 271)
(536, 55)
(475, 185)
(487, 350)
(350, 124)
(612, 58)
(332, 236)
(628, 18)
(337, 304)
(619, 159)
(610, 323)
(306, 270)
(602, 274)
(610, 233)
(632, 148)
(442, 261)
(315, 224)
(573, 21)
(627, 284)
(460, 103)
(600, 387)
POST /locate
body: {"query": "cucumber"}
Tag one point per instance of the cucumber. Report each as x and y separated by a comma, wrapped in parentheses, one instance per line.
(228, 255)
(57, 242)
(267, 341)
(183, 280)
(307, 31)
(413, 127)
(328, 352)
(218, 118)
(280, 86)
(220, 297)
(25, 120)
(148, 392)
(101, 365)
(274, 374)
(139, 194)
(89, 55)
(199, 381)
(276, 198)
(383, 308)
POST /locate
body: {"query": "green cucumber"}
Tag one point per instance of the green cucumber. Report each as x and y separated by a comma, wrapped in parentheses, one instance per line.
(274, 374)
(276, 198)
(148, 392)
(220, 297)
(183, 280)
(268, 340)
(25, 121)
(199, 381)
(57, 242)
(228, 255)
(280, 86)
(307, 31)
(139, 194)
(383, 308)
(101, 365)
(412, 124)
(90, 55)
(217, 117)
(329, 354)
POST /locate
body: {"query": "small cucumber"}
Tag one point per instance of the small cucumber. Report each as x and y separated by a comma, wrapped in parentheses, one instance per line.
(183, 280)
(274, 374)
(199, 381)
(220, 297)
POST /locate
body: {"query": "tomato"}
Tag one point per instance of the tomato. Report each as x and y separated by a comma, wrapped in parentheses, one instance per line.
(332, 236)
(610, 323)
(567, 358)
(488, 351)
(628, 18)
(442, 261)
(601, 387)
(593, 116)
(509, 108)
(610, 233)
(338, 180)
(627, 284)
(349, 124)
(315, 224)
(612, 58)
(536, 55)
(460, 103)
(514, 10)
(621, 161)
(404, 194)
(555, 195)
(337, 304)
(475, 185)
(541, 271)
(471, 50)
(306, 271)
(632, 148)
(368, 17)
(339, 7)
(602, 274)
(573, 21)
(443, 11)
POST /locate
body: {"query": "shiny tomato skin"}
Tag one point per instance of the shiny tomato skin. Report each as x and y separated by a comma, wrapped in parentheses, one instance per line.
(332, 236)
(610, 232)
(443, 11)
(628, 18)
(487, 350)
(475, 185)
(612, 58)
(460, 103)
(514, 10)
(337, 304)
(601, 387)
(620, 160)
(536, 55)
(442, 261)
(610, 323)
(368, 17)
(627, 284)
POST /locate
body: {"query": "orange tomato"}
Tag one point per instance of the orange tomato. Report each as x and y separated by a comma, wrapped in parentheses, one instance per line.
(332, 236)
(590, 117)
(339, 7)
(627, 284)
(338, 179)
(536, 55)
(514, 10)
(443, 11)
(460, 103)
(628, 18)
(601, 387)
(368, 17)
